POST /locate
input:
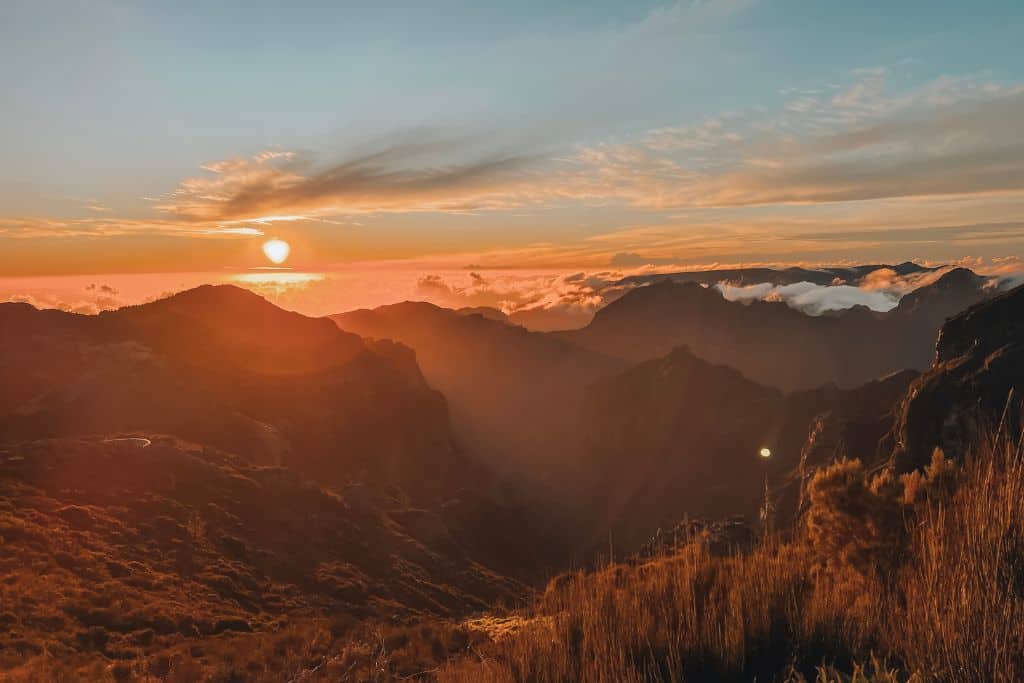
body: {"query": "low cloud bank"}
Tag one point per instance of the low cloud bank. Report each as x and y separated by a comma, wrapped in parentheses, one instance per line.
(89, 300)
(565, 301)
(539, 301)
(879, 290)
(811, 298)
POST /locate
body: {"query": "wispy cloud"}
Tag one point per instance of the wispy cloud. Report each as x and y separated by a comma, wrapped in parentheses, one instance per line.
(407, 176)
(842, 170)
(949, 137)
(29, 227)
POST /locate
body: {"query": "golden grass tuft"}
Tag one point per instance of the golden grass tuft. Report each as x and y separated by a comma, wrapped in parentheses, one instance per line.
(888, 576)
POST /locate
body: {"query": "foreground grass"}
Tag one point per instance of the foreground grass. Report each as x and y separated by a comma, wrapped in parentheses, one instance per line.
(911, 578)
(929, 577)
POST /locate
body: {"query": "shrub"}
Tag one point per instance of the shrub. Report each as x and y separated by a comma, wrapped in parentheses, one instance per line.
(964, 589)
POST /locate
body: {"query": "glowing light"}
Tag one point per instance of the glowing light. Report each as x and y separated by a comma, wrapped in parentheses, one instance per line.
(277, 278)
(276, 283)
(276, 250)
(765, 452)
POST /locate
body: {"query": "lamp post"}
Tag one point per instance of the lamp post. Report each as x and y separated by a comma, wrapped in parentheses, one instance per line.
(767, 509)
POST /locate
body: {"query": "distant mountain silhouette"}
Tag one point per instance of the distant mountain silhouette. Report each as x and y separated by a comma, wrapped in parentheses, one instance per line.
(514, 394)
(975, 383)
(851, 275)
(222, 324)
(678, 436)
(774, 344)
(222, 366)
(484, 311)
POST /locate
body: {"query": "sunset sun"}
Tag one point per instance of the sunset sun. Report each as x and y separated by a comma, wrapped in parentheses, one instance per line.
(276, 250)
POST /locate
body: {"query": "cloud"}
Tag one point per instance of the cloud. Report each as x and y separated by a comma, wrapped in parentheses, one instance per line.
(402, 176)
(547, 301)
(948, 137)
(33, 228)
(536, 300)
(89, 301)
(811, 298)
(624, 259)
(879, 290)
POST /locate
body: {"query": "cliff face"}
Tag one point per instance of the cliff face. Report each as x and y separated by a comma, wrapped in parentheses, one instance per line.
(976, 382)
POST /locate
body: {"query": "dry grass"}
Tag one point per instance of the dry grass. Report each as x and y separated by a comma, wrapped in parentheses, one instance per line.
(116, 565)
(963, 617)
(888, 575)
(913, 570)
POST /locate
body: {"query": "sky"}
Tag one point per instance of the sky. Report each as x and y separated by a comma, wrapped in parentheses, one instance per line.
(399, 146)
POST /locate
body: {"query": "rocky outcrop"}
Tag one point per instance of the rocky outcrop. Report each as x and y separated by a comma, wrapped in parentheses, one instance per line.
(974, 385)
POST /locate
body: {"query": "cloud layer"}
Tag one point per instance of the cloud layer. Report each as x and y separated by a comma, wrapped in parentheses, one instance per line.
(948, 137)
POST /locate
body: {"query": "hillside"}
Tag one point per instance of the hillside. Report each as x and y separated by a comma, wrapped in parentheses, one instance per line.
(120, 547)
(975, 384)
(896, 573)
(514, 394)
(212, 488)
(677, 437)
(221, 366)
(774, 344)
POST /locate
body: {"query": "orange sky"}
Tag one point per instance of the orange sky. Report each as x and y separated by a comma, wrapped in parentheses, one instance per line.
(668, 135)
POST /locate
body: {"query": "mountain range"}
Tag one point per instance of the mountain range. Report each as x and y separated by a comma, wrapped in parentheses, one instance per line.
(214, 450)
(773, 343)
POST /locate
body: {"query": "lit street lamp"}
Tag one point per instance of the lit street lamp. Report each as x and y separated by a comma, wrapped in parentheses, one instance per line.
(767, 509)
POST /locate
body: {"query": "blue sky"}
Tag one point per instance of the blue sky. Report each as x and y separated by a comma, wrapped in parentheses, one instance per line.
(515, 128)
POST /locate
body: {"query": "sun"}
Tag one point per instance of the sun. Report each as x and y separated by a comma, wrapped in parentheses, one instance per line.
(276, 250)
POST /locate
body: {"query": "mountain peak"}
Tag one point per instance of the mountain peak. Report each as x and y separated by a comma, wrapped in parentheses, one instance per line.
(961, 285)
(991, 324)
(229, 325)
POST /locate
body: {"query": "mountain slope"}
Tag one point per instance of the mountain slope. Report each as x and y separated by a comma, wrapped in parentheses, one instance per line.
(975, 383)
(513, 393)
(774, 344)
(220, 365)
(125, 547)
(679, 436)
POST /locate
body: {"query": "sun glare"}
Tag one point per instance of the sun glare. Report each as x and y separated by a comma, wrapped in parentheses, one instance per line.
(276, 250)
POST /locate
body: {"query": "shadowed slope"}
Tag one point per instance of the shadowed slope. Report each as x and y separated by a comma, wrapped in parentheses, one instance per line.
(774, 344)
(514, 394)
(118, 548)
(976, 381)
(678, 436)
(220, 365)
